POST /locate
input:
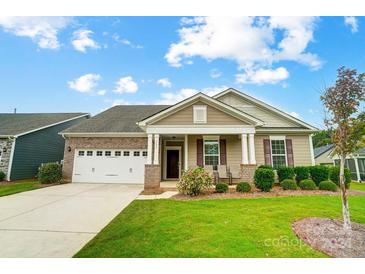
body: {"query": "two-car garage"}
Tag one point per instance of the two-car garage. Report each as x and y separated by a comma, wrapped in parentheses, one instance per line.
(109, 166)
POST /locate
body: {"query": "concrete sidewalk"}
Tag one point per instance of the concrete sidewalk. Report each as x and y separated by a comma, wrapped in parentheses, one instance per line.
(58, 221)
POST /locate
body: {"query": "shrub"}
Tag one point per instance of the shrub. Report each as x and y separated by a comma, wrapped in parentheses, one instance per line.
(289, 184)
(243, 187)
(265, 166)
(285, 173)
(221, 187)
(327, 185)
(335, 176)
(2, 176)
(307, 184)
(301, 173)
(194, 181)
(264, 179)
(319, 173)
(50, 173)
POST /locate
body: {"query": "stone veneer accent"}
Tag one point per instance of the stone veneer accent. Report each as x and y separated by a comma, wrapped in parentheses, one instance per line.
(97, 143)
(152, 178)
(5, 158)
(247, 173)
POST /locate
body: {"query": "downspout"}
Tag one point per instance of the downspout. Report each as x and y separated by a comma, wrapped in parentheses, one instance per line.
(311, 149)
(11, 158)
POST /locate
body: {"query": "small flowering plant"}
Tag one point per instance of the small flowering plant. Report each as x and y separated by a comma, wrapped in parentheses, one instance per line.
(194, 181)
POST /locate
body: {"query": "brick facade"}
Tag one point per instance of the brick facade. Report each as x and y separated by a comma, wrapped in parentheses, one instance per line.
(95, 143)
(5, 156)
(247, 173)
(152, 178)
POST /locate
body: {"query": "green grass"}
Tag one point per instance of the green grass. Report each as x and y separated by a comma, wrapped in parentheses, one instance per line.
(13, 188)
(357, 186)
(215, 228)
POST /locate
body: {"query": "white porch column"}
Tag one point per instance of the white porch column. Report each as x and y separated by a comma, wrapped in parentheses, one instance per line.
(149, 149)
(244, 149)
(156, 158)
(252, 148)
(186, 152)
(357, 169)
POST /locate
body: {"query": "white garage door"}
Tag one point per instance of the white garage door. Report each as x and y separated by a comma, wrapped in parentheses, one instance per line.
(109, 166)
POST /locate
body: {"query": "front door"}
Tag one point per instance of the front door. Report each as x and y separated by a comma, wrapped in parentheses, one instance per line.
(172, 164)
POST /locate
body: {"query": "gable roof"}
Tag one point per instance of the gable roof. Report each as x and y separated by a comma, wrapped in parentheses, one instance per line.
(17, 124)
(211, 101)
(118, 119)
(265, 106)
(318, 151)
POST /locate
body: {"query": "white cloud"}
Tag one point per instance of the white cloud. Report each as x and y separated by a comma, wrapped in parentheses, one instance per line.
(85, 83)
(101, 92)
(215, 73)
(352, 22)
(42, 30)
(252, 42)
(126, 85)
(126, 42)
(164, 82)
(81, 40)
(169, 98)
(263, 76)
(294, 114)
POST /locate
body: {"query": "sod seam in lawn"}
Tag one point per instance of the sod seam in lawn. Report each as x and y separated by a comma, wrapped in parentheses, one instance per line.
(215, 228)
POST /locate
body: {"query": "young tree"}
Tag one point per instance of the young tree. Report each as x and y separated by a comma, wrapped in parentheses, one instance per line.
(342, 102)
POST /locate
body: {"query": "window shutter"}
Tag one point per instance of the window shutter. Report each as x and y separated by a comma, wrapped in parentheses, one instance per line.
(223, 154)
(199, 152)
(289, 152)
(267, 152)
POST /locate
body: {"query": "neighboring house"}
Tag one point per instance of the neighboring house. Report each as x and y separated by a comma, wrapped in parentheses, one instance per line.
(151, 143)
(322, 155)
(29, 139)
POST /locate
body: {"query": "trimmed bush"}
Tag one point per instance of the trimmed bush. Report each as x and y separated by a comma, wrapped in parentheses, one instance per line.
(289, 184)
(264, 179)
(243, 187)
(50, 173)
(194, 181)
(2, 176)
(335, 176)
(319, 173)
(301, 173)
(265, 166)
(307, 184)
(285, 173)
(327, 185)
(221, 187)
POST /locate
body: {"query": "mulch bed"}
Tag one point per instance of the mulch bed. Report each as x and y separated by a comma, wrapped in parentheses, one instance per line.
(276, 191)
(329, 237)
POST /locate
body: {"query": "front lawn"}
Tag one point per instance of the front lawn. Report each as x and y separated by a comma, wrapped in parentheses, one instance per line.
(12, 188)
(215, 228)
(357, 186)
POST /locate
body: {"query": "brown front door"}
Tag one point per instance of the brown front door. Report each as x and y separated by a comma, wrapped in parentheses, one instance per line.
(172, 164)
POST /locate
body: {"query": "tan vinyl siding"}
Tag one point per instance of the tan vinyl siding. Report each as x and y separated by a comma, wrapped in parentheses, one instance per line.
(192, 150)
(270, 118)
(214, 117)
(323, 159)
(301, 149)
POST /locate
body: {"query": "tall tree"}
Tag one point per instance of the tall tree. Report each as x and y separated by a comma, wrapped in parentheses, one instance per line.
(342, 102)
(322, 138)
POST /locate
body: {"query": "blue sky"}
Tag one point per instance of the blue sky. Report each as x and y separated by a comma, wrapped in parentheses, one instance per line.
(88, 64)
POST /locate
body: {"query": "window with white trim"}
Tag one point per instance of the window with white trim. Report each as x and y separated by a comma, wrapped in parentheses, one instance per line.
(144, 153)
(136, 153)
(108, 153)
(200, 114)
(81, 153)
(117, 153)
(278, 153)
(99, 153)
(125, 153)
(89, 153)
(211, 153)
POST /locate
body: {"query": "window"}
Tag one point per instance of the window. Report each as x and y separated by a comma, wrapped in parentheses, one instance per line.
(361, 163)
(81, 153)
(200, 114)
(99, 153)
(278, 153)
(125, 153)
(211, 153)
(144, 153)
(136, 153)
(89, 153)
(108, 153)
(117, 153)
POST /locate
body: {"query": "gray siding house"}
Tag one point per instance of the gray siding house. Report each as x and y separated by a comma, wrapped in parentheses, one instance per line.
(29, 139)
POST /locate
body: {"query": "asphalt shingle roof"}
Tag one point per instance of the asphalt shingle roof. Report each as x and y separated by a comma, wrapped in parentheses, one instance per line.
(318, 151)
(16, 123)
(121, 118)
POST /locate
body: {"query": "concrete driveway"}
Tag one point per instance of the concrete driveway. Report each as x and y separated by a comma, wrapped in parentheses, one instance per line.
(58, 221)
